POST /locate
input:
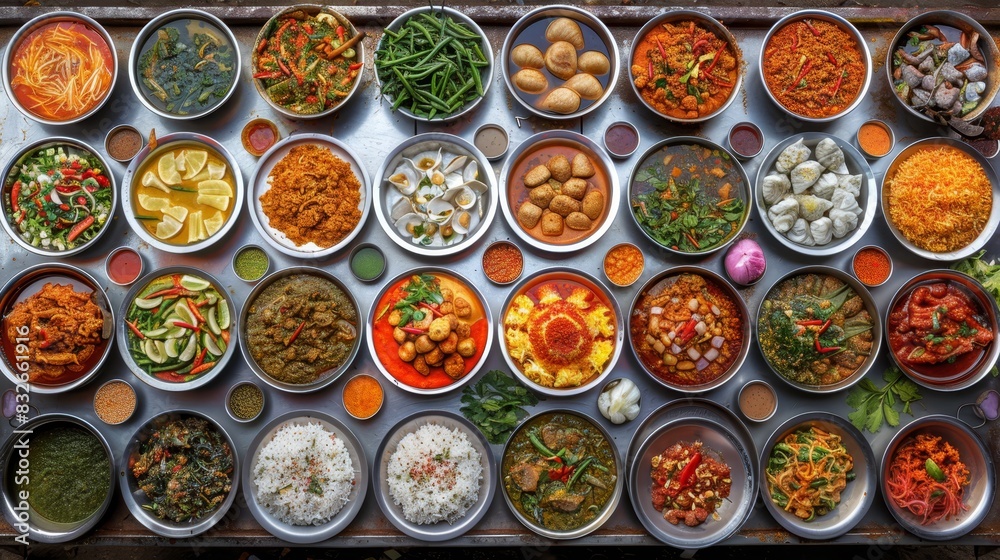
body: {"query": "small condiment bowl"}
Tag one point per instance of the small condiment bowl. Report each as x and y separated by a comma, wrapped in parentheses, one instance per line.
(498, 244)
(499, 154)
(754, 129)
(767, 386)
(604, 264)
(248, 248)
(229, 406)
(135, 404)
(624, 154)
(887, 258)
(118, 251)
(116, 130)
(250, 127)
(358, 249)
(343, 396)
(884, 126)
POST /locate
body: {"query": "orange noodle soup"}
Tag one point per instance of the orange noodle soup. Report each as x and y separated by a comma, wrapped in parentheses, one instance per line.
(62, 70)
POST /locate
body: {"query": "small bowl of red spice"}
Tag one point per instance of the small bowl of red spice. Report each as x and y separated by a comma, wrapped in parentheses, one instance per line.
(363, 396)
(123, 266)
(875, 139)
(258, 136)
(872, 265)
(623, 264)
(503, 262)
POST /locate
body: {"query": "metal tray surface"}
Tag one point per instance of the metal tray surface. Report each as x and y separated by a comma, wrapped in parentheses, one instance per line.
(371, 130)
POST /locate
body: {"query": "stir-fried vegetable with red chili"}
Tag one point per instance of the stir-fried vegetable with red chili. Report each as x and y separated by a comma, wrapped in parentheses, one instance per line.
(307, 63)
(689, 484)
(58, 198)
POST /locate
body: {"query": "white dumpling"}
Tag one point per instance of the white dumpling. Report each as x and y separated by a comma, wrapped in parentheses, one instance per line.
(843, 222)
(792, 156)
(843, 200)
(823, 188)
(804, 175)
(800, 233)
(775, 188)
(822, 230)
(831, 156)
(783, 214)
(850, 183)
(812, 207)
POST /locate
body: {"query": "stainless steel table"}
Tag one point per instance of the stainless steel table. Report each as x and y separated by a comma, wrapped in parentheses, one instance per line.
(369, 127)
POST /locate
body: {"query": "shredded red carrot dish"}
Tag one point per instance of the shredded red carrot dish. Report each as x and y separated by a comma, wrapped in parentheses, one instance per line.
(927, 478)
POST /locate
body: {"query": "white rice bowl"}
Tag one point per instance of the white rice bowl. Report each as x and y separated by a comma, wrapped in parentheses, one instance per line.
(303, 475)
(434, 475)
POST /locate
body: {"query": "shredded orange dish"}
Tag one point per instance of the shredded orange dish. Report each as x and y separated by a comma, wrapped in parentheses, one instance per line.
(940, 199)
(314, 197)
(62, 71)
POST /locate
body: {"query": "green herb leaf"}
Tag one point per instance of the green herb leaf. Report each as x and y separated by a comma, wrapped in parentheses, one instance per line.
(874, 405)
(495, 404)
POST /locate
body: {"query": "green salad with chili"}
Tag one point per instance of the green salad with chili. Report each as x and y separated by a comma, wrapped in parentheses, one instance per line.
(58, 198)
(306, 63)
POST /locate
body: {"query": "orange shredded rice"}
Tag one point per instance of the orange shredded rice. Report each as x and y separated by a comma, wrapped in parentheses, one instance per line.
(940, 199)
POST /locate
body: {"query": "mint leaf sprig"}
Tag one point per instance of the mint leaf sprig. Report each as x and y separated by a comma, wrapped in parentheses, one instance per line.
(875, 405)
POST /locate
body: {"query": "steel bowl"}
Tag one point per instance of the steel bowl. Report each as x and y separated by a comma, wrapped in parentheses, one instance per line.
(721, 444)
(845, 25)
(148, 33)
(712, 25)
(10, 173)
(387, 196)
(442, 530)
(306, 534)
(229, 402)
(327, 377)
(970, 376)
(978, 495)
(18, 513)
(609, 507)
(135, 497)
(602, 163)
(991, 225)
(166, 143)
(375, 312)
(31, 279)
(855, 499)
(966, 24)
(598, 29)
(743, 188)
(486, 76)
(870, 306)
(125, 333)
(745, 329)
(260, 184)
(31, 26)
(563, 273)
(312, 10)
(856, 165)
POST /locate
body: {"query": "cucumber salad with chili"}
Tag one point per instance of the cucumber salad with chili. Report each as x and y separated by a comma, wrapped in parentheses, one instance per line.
(178, 328)
(58, 198)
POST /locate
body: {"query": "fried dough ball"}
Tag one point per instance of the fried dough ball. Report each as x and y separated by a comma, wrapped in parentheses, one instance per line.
(399, 335)
(466, 347)
(450, 344)
(552, 224)
(564, 205)
(421, 366)
(395, 316)
(578, 221)
(593, 205)
(582, 167)
(434, 357)
(439, 329)
(529, 214)
(536, 176)
(423, 344)
(452, 320)
(463, 330)
(407, 351)
(462, 307)
(447, 307)
(560, 168)
(447, 294)
(575, 188)
(542, 195)
(454, 366)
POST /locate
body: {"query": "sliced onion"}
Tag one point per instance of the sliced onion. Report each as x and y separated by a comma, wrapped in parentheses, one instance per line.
(716, 311)
(693, 353)
(671, 335)
(696, 317)
(674, 349)
(655, 310)
(700, 328)
(711, 355)
(693, 304)
(717, 341)
(701, 364)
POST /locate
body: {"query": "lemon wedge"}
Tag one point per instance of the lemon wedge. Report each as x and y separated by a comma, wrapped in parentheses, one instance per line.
(153, 203)
(215, 201)
(167, 168)
(195, 284)
(151, 180)
(215, 187)
(181, 160)
(214, 224)
(195, 162)
(195, 227)
(168, 228)
(216, 170)
(177, 212)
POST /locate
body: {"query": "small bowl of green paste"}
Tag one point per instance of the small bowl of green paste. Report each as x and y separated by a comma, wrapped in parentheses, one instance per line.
(367, 262)
(251, 263)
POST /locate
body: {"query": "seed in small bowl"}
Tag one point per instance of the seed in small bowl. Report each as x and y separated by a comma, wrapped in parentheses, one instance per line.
(872, 266)
(245, 401)
(503, 262)
(251, 263)
(623, 264)
(123, 142)
(115, 402)
(363, 396)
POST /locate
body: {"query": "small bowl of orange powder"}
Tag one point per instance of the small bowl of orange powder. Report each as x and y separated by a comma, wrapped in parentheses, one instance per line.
(363, 396)
(875, 139)
(872, 265)
(623, 264)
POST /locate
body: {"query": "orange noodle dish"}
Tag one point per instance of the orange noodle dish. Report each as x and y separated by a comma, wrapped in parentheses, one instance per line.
(927, 478)
(62, 70)
(683, 70)
(813, 68)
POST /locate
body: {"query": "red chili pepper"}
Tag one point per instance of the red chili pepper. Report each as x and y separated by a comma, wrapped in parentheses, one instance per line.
(836, 86)
(262, 46)
(102, 180)
(201, 369)
(718, 82)
(135, 330)
(194, 311)
(698, 43)
(201, 358)
(225, 336)
(412, 330)
(663, 51)
(340, 33)
(687, 473)
(715, 59)
(295, 334)
(176, 279)
(64, 207)
(809, 322)
(307, 28)
(802, 74)
(167, 292)
(177, 468)
(267, 75)
(825, 349)
(433, 310)
(809, 24)
(795, 42)
(356, 66)
(80, 227)
(833, 61)
(45, 343)
(15, 192)
(184, 325)
(170, 377)
(284, 68)
(825, 326)
(650, 68)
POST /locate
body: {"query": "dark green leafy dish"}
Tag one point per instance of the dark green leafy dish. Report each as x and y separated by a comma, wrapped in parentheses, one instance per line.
(689, 197)
(495, 404)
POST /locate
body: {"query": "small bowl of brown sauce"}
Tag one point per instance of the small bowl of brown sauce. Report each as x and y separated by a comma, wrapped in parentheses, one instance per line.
(757, 400)
(123, 142)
